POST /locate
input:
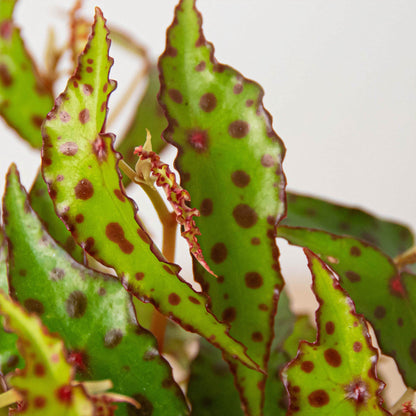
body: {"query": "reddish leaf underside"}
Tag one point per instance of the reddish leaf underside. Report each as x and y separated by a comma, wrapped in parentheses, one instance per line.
(230, 162)
(79, 166)
(336, 374)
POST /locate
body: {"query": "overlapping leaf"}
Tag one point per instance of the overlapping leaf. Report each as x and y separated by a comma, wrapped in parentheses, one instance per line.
(305, 211)
(9, 355)
(24, 98)
(211, 389)
(336, 374)
(45, 381)
(72, 299)
(230, 162)
(386, 298)
(43, 205)
(79, 165)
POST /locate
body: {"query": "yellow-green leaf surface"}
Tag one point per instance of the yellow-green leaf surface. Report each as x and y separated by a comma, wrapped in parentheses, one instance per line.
(80, 168)
(386, 297)
(336, 374)
(230, 162)
(9, 355)
(45, 381)
(24, 98)
(72, 299)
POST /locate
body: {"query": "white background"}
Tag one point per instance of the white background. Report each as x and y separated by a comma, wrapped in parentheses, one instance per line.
(339, 77)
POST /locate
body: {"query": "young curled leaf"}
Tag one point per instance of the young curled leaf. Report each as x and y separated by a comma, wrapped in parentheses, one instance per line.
(178, 197)
(335, 375)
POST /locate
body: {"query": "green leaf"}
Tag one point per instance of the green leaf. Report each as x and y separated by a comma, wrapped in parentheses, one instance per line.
(10, 358)
(305, 211)
(79, 166)
(24, 98)
(72, 299)
(43, 205)
(45, 381)
(149, 116)
(386, 298)
(211, 389)
(335, 374)
(230, 162)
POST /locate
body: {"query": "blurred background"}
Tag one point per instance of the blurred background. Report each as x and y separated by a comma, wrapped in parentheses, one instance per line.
(339, 79)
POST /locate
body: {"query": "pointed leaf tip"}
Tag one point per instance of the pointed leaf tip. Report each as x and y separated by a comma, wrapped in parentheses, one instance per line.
(336, 373)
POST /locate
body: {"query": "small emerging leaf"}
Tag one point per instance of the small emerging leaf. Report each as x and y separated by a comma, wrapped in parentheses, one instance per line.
(24, 98)
(336, 374)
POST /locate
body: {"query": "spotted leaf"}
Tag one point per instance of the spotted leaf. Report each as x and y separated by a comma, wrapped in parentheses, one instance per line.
(24, 98)
(305, 211)
(45, 382)
(386, 298)
(230, 162)
(149, 116)
(336, 373)
(80, 168)
(10, 358)
(72, 299)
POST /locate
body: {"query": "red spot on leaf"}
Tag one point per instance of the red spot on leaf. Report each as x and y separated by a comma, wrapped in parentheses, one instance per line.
(198, 139)
(64, 394)
(397, 287)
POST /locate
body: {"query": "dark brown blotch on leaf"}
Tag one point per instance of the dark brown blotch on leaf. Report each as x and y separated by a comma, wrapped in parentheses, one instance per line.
(380, 312)
(208, 102)
(174, 299)
(229, 314)
(307, 366)
(219, 253)
(115, 233)
(332, 357)
(76, 304)
(201, 66)
(238, 129)
(253, 280)
(240, 178)
(245, 216)
(206, 207)
(112, 338)
(355, 251)
(318, 398)
(175, 95)
(5, 77)
(84, 116)
(84, 189)
(34, 305)
(353, 277)
(329, 327)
